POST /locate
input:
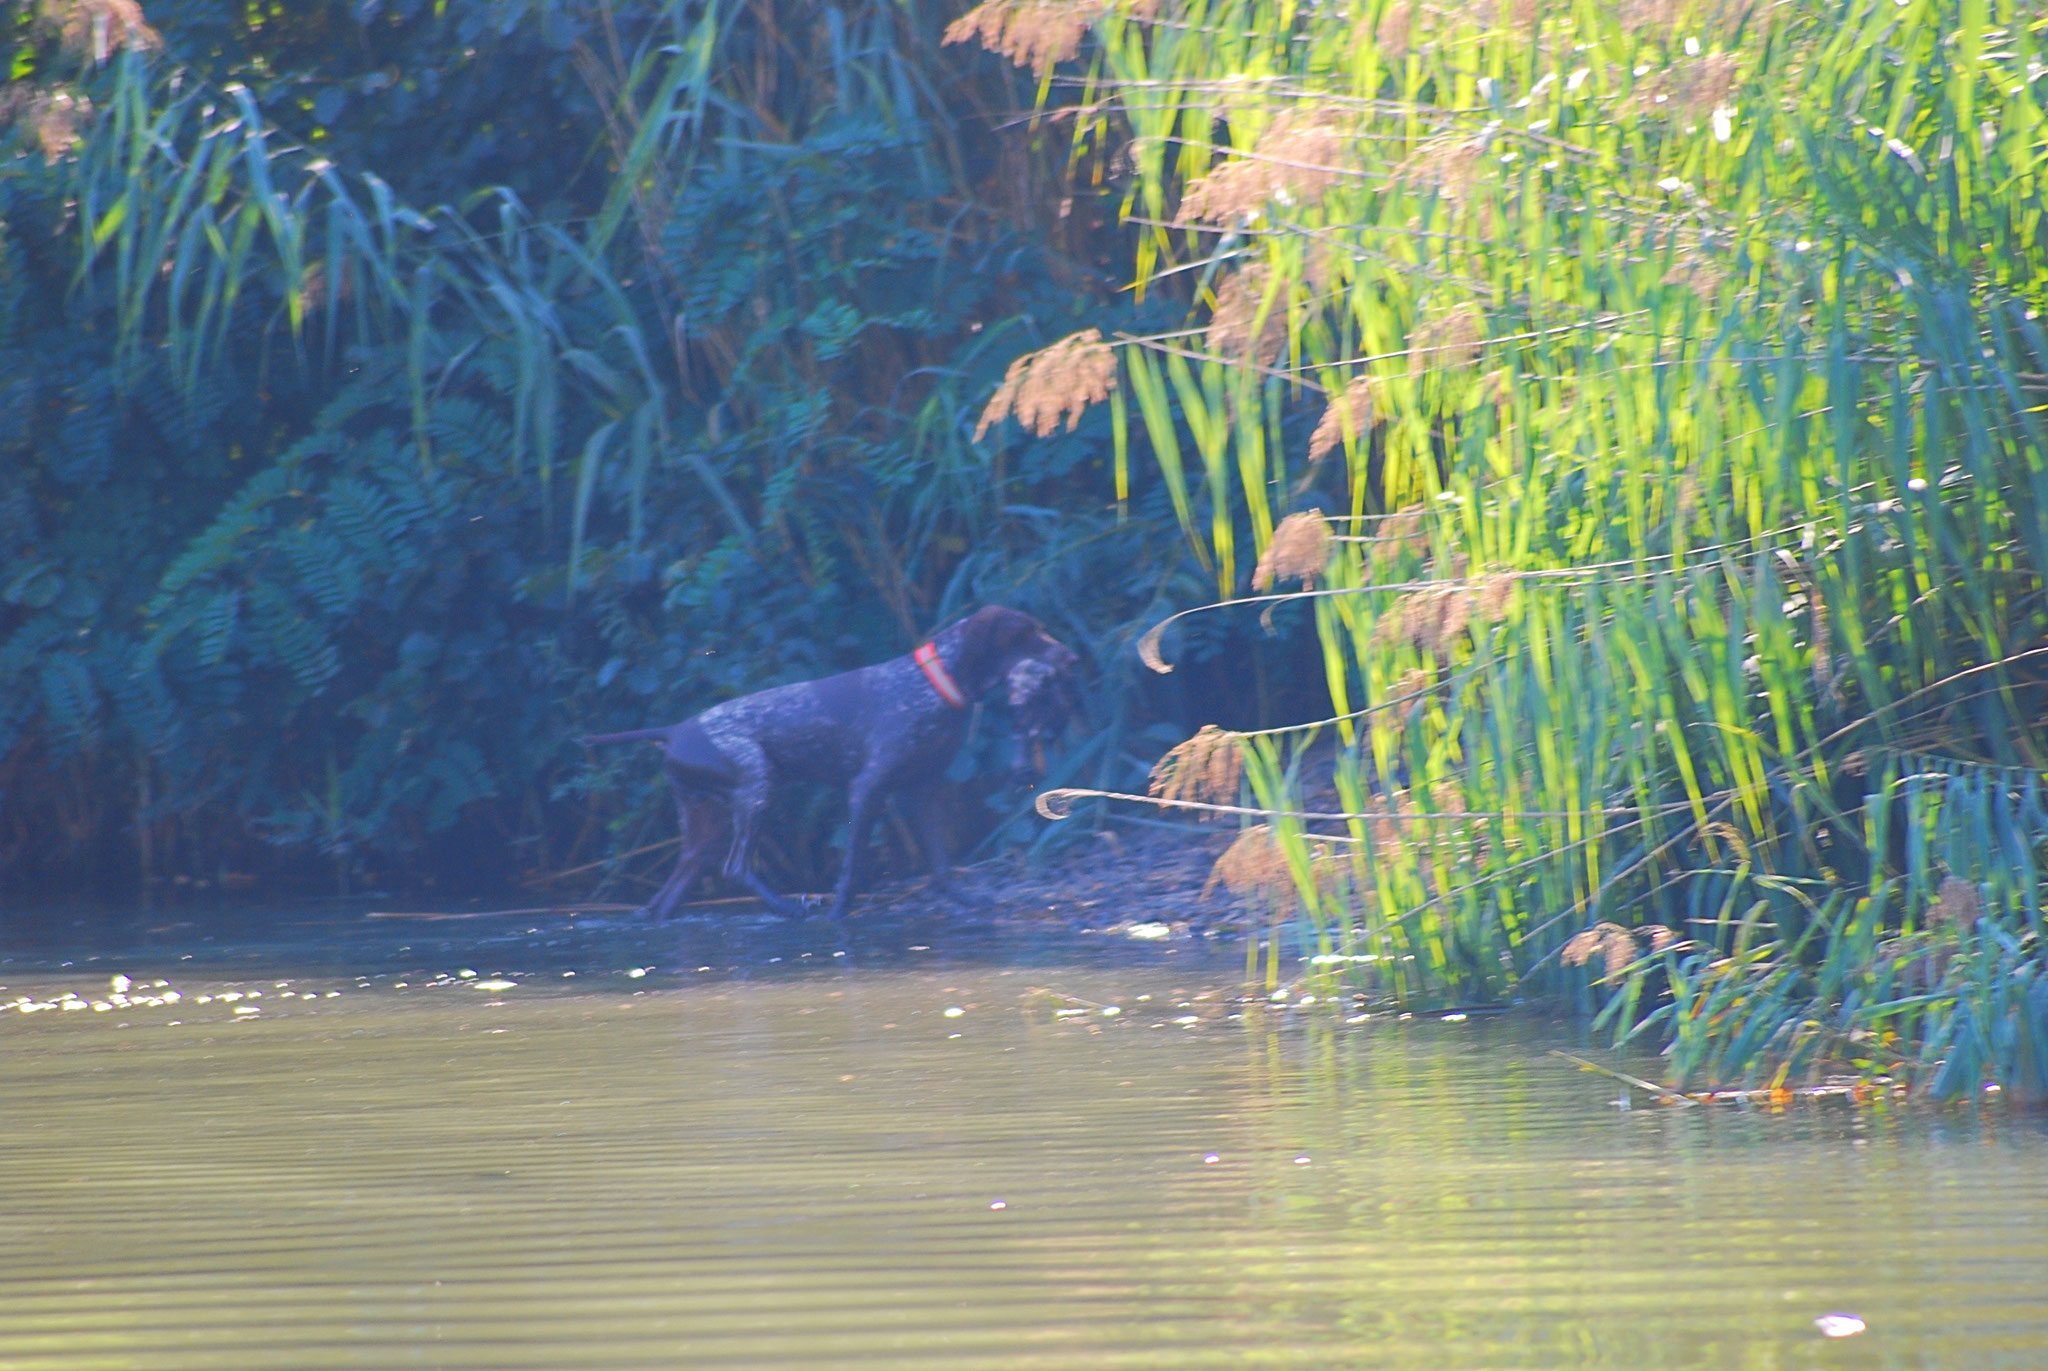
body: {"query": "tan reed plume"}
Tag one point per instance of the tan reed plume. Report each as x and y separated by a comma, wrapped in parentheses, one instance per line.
(1256, 864)
(1300, 549)
(1037, 33)
(1057, 382)
(1694, 270)
(1451, 340)
(1956, 905)
(96, 28)
(1349, 413)
(1252, 864)
(1449, 166)
(1238, 302)
(1430, 620)
(1402, 531)
(1689, 88)
(1301, 153)
(1206, 768)
(56, 117)
(1615, 945)
(1820, 633)
(1393, 30)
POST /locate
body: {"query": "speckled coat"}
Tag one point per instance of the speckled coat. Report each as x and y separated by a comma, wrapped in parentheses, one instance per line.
(878, 730)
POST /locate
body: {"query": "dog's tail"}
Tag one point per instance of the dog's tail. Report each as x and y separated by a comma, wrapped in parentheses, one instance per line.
(635, 736)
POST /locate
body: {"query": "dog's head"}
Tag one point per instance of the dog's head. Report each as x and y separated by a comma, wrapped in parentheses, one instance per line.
(991, 641)
(1043, 696)
(1006, 650)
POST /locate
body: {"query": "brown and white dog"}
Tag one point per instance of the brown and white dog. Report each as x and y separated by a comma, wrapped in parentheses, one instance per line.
(887, 729)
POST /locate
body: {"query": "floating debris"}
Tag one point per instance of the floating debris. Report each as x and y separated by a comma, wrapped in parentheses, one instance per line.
(954, 1011)
(1149, 932)
(495, 983)
(1838, 1325)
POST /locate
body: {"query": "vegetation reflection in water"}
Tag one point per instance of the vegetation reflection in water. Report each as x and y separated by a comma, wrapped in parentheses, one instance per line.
(944, 1168)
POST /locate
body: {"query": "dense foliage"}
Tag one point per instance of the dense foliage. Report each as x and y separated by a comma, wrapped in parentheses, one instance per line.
(1686, 617)
(389, 391)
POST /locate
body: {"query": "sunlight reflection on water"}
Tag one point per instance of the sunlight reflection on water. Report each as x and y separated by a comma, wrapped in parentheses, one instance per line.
(886, 1167)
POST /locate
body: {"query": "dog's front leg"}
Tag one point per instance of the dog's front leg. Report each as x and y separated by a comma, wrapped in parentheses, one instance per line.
(861, 800)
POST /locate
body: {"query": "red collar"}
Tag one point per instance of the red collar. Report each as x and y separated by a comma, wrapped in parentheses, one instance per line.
(934, 669)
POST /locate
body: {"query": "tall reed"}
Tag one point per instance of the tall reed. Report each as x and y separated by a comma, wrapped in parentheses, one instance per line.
(1685, 362)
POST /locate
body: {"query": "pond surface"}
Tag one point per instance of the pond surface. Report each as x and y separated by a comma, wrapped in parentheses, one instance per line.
(365, 1159)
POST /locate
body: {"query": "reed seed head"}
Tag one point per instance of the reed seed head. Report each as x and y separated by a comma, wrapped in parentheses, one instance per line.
(56, 119)
(1238, 303)
(1349, 413)
(1697, 272)
(1206, 768)
(1037, 33)
(1449, 341)
(1490, 602)
(1058, 382)
(1430, 620)
(96, 28)
(1688, 503)
(1256, 864)
(1731, 835)
(1956, 905)
(1637, 15)
(1253, 864)
(1300, 549)
(1690, 88)
(1402, 531)
(1613, 944)
(1449, 166)
(1412, 684)
(1394, 28)
(1821, 641)
(1301, 153)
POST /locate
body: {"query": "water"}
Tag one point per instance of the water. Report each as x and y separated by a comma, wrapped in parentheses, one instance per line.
(817, 1163)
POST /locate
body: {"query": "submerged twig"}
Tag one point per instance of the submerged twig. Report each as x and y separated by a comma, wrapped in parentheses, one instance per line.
(1661, 1092)
(571, 909)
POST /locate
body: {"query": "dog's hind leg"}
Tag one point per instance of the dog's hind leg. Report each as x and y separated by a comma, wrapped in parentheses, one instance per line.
(699, 818)
(749, 803)
(928, 822)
